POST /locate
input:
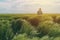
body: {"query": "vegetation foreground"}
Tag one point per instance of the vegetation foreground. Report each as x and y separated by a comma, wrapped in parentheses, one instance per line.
(29, 27)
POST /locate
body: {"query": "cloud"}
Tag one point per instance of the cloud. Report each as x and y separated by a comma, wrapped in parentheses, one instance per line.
(29, 6)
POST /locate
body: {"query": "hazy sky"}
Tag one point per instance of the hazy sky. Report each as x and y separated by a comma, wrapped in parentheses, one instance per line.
(29, 6)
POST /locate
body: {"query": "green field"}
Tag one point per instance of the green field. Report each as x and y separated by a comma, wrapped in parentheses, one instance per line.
(29, 27)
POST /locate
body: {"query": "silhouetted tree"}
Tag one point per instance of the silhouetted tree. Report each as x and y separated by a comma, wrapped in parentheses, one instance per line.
(39, 12)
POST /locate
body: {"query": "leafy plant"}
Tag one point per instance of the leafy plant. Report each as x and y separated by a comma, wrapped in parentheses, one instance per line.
(44, 28)
(5, 30)
(16, 25)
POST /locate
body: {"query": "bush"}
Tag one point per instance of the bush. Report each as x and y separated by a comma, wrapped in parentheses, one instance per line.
(58, 20)
(24, 37)
(26, 27)
(16, 25)
(47, 18)
(20, 37)
(57, 38)
(44, 28)
(25, 17)
(46, 37)
(34, 21)
(54, 18)
(5, 30)
(49, 28)
(54, 31)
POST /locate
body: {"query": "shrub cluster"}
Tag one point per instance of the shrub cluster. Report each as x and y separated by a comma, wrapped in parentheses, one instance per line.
(35, 28)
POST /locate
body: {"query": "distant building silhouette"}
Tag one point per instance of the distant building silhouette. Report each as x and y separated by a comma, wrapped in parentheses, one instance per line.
(39, 12)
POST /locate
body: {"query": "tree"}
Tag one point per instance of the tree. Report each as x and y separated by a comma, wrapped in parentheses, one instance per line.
(39, 12)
